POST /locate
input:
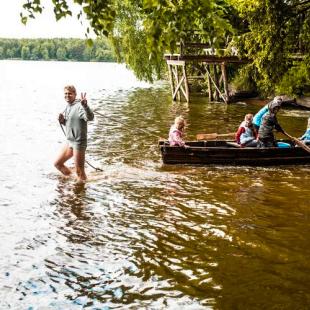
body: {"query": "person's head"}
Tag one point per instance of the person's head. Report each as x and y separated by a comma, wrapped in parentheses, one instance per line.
(248, 119)
(179, 122)
(70, 93)
(275, 105)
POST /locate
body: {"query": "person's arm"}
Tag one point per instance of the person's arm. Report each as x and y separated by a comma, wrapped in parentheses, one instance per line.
(240, 131)
(61, 119)
(86, 113)
(257, 120)
(277, 125)
(255, 133)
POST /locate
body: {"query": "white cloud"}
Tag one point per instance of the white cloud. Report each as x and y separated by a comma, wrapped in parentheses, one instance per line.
(43, 26)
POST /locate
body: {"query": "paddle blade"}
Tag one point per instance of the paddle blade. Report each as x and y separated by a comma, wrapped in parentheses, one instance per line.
(214, 136)
(206, 136)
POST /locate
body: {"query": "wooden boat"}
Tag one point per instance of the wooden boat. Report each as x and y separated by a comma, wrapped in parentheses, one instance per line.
(228, 153)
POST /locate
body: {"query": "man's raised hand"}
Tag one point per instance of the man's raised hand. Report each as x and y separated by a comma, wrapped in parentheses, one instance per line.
(83, 100)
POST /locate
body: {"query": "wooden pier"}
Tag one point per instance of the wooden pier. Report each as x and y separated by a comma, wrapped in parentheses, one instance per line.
(212, 68)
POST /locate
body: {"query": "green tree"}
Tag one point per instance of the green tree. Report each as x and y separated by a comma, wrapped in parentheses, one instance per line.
(75, 49)
(88, 54)
(143, 30)
(36, 52)
(275, 30)
(10, 53)
(268, 32)
(50, 45)
(46, 49)
(25, 53)
(2, 53)
(36, 49)
(103, 55)
(61, 53)
(44, 53)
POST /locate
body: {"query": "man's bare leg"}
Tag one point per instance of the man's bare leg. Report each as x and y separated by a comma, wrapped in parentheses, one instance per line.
(79, 160)
(65, 154)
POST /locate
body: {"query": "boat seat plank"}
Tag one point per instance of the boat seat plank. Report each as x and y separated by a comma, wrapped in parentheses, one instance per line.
(233, 144)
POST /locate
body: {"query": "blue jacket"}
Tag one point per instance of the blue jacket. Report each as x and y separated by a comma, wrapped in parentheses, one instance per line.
(257, 119)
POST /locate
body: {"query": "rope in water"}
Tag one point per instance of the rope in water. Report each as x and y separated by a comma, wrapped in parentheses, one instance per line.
(111, 118)
(139, 129)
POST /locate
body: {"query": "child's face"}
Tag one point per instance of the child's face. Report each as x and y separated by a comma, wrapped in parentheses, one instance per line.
(181, 126)
(249, 121)
(69, 95)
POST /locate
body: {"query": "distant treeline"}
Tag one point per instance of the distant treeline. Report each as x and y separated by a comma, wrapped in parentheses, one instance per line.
(56, 49)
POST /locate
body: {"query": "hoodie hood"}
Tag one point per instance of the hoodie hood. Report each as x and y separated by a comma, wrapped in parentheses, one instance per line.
(275, 103)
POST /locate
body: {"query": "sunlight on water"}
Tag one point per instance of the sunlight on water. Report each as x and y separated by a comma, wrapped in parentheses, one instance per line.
(141, 235)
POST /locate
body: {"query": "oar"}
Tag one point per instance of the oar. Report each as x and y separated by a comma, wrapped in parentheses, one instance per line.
(214, 136)
(298, 142)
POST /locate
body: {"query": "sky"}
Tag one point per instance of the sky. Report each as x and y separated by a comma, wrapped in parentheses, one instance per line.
(43, 26)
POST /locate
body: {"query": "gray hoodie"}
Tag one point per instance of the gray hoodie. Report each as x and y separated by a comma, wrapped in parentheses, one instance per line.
(76, 117)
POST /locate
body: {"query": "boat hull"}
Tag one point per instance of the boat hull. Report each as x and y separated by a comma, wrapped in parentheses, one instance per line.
(221, 153)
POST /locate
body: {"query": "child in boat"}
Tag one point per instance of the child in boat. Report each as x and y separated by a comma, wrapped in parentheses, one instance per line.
(176, 132)
(306, 136)
(246, 134)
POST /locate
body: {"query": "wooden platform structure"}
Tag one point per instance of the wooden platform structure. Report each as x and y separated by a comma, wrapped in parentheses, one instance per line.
(211, 66)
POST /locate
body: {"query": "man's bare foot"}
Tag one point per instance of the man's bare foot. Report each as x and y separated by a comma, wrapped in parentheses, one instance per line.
(80, 181)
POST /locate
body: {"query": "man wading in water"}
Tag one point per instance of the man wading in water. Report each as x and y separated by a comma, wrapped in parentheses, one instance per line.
(75, 118)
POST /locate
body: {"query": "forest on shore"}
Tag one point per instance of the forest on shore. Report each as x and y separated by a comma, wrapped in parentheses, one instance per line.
(56, 49)
(274, 35)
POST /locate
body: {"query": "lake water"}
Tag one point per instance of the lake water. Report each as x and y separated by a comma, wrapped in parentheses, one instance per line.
(141, 235)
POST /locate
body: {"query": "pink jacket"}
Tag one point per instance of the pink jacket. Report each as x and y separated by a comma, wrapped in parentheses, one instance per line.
(175, 137)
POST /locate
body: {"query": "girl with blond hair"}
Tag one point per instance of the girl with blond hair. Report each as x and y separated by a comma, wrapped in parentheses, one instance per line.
(176, 132)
